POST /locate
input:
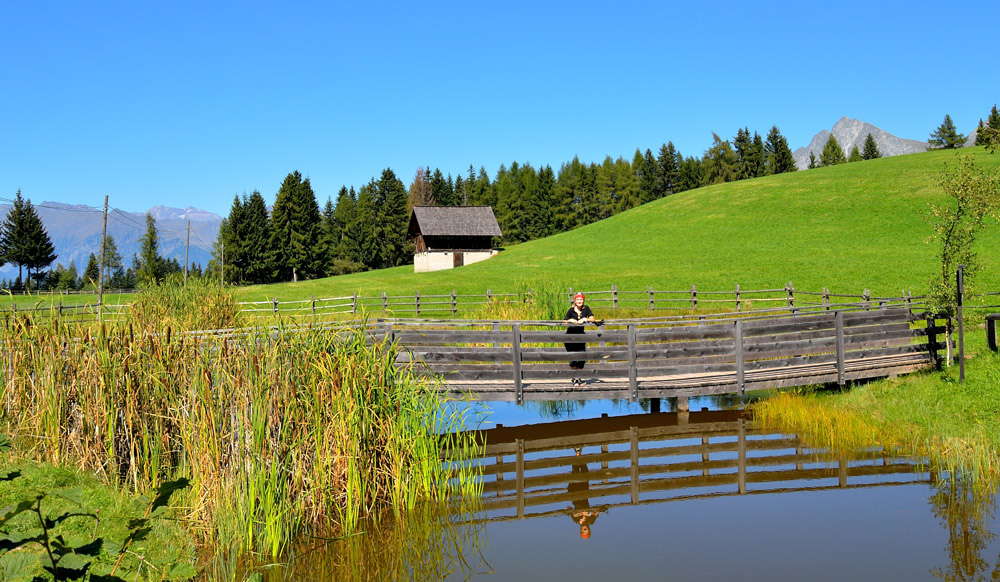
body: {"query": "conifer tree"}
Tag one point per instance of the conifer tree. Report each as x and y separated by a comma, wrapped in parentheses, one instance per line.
(670, 170)
(24, 240)
(442, 190)
(91, 272)
(295, 229)
(508, 208)
(719, 163)
(344, 214)
(420, 190)
(778, 157)
(627, 188)
(832, 153)
(980, 133)
(991, 138)
(946, 136)
(870, 151)
(391, 215)
(259, 267)
(855, 155)
(356, 212)
(150, 266)
(692, 173)
(461, 191)
(539, 207)
(648, 174)
(232, 233)
(812, 160)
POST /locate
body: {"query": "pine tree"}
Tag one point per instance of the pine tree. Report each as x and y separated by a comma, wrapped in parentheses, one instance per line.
(150, 266)
(442, 191)
(778, 157)
(344, 216)
(461, 191)
(508, 205)
(668, 161)
(870, 151)
(812, 160)
(832, 153)
(980, 133)
(391, 217)
(232, 233)
(295, 229)
(24, 240)
(747, 160)
(946, 136)
(855, 155)
(259, 267)
(692, 174)
(991, 134)
(40, 250)
(91, 272)
(720, 163)
(539, 207)
(67, 278)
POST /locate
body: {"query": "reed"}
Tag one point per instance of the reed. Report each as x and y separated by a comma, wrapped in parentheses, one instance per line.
(930, 416)
(280, 433)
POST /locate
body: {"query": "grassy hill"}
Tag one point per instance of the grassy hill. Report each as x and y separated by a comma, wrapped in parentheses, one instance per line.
(847, 227)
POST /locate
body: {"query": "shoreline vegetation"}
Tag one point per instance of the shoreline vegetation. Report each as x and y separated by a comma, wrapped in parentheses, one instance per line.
(280, 434)
(929, 415)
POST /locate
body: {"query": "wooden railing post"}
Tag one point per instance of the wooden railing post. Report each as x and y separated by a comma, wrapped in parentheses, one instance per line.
(838, 320)
(614, 296)
(991, 332)
(489, 296)
(694, 298)
(741, 459)
(737, 297)
(354, 303)
(826, 299)
(416, 301)
(652, 300)
(633, 372)
(740, 370)
(516, 345)
(314, 305)
(274, 303)
(454, 303)
(790, 291)
(866, 299)
(385, 303)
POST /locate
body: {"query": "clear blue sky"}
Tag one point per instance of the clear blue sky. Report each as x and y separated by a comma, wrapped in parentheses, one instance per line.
(189, 103)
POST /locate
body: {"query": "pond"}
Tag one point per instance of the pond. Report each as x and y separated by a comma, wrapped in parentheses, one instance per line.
(619, 491)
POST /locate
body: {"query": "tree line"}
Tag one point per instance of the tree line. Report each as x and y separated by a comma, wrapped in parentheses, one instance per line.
(367, 228)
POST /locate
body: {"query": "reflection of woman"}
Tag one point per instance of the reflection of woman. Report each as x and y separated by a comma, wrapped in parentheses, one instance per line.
(581, 511)
(578, 314)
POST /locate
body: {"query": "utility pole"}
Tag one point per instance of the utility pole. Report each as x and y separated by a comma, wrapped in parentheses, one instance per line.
(100, 271)
(187, 245)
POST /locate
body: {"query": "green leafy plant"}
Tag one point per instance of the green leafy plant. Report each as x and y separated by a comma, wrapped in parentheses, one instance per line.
(67, 558)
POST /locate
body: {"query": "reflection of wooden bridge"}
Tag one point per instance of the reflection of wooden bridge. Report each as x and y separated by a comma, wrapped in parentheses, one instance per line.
(669, 357)
(534, 471)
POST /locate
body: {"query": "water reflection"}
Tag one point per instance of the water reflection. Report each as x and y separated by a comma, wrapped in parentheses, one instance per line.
(634, 485)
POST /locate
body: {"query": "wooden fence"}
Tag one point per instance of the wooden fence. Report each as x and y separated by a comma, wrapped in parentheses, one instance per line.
(650, 299)
(596, 465)
(671, 357)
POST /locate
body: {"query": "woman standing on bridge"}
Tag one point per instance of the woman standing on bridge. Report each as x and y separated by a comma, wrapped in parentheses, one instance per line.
(577, 316)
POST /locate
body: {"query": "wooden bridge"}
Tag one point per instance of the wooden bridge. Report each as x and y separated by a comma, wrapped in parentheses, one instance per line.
(669, 357)
(570, 466)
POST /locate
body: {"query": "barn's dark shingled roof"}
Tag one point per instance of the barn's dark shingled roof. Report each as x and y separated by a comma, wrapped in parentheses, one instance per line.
(454, 221)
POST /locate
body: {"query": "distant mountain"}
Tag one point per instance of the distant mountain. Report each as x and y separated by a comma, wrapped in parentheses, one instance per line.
(852, 132)
(76, 232)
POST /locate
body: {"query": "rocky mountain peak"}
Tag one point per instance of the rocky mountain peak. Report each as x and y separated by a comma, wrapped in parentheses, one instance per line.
(852, 132)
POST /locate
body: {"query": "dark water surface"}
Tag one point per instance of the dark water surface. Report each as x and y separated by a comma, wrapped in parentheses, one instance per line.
(611, 491)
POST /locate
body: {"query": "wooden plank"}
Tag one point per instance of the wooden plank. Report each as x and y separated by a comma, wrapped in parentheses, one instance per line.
(560, 337)
(684, 332)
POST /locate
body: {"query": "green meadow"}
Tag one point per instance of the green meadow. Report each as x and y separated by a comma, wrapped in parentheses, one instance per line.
(849, 227)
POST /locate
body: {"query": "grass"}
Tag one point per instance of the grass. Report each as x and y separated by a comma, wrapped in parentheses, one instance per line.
(280, 433)
(930, 415)
(847, 227)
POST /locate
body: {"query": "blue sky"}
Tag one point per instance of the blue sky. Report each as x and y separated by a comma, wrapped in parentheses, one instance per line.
(190, 103)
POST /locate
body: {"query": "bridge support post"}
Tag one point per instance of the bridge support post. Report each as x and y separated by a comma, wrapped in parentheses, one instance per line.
(838, 320)
(516, 345)
(741, 460)
(633, 373)
(634, 434)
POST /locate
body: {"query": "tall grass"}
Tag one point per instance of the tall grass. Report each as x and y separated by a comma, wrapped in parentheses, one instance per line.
(930, 415)
(280, 433)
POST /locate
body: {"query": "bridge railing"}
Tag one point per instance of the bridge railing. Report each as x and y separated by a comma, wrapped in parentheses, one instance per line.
(693, 355)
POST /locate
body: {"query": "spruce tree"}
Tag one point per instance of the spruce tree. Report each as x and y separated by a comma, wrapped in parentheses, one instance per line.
(855, 155)
(295, 223)
(508, 205)
(832, 153)
(392, 218)
(461, 191)
(692, 173)
(259, 267)
(946, 136)
(91, 272)
(441, 189)
(870, 151)
(150, 267)
(40, 250)
(980, 133)
(232, 232)
(812, 160)
(13, 235)
(991, 138)
(670, 170)
(778, 157)
(344, 214)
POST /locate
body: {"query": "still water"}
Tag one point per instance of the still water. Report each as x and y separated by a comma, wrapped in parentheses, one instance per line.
(618, 491)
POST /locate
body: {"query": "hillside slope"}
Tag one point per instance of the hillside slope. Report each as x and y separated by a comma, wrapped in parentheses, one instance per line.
(847, 227)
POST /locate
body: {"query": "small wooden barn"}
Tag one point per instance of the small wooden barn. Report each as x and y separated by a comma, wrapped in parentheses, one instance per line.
(445, 237)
